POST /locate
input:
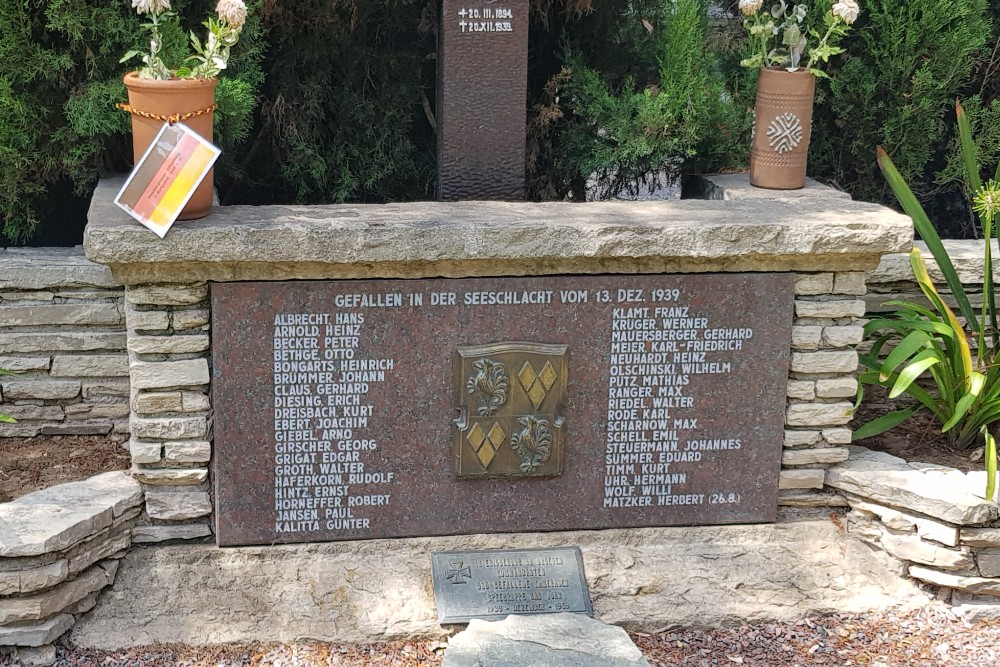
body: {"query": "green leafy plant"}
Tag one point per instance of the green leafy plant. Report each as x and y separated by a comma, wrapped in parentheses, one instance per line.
(210, 57)
(779, 36)
(6, 419)
(670, 111)
(916, 341)
(908, 62)
(60, 78)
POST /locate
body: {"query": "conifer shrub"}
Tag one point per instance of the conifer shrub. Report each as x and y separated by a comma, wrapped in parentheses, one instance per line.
(638, 95)
(908, 63)
(346, 106)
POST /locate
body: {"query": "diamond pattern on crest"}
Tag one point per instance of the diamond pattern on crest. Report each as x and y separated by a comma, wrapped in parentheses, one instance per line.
(497, 436)
(537, 384)
(476, 437)
(548, 375)
(527, 375)
(490, 444)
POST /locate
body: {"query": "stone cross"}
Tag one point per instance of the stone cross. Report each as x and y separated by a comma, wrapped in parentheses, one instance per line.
(482, 91)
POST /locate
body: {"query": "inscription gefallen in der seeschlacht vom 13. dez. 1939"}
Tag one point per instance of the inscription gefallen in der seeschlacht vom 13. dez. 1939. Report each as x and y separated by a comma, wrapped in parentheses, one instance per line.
(362, 409)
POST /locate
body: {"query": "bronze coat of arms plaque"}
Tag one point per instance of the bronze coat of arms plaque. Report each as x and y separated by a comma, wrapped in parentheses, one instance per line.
(510, 398)
(356, 409)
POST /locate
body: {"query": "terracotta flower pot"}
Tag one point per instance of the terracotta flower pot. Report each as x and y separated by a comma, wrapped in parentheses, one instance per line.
(169, 98)
(781, 129)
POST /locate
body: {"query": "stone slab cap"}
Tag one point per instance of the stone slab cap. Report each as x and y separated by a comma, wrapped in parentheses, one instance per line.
(967, 256)
(737, 187)
(550, 640)
(939, 492)
(58, 517)
(47, 268)
(425, 239)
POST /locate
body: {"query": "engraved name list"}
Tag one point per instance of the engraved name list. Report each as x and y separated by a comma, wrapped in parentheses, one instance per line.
(442, 406)
(324, 478)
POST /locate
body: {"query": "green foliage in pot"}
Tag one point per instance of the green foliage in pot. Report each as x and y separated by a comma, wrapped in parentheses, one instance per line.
(957, 352)
(60, 77)
(667, 111)
(780, 35)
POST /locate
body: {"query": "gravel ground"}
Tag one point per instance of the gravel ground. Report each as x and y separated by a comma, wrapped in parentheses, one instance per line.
(929, 637)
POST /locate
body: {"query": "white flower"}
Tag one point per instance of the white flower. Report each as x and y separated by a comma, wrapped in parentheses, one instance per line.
(750, 7)
(233, 12)
(846, 10)
(151, 6)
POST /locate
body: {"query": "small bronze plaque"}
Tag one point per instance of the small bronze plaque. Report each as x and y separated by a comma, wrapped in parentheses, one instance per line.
(495, 584)
(509, 401)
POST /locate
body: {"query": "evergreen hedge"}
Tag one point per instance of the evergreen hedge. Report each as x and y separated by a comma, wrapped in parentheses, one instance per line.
(333, 100)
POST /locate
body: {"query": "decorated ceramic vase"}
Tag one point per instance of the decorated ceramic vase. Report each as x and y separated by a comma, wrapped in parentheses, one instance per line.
(783, 120)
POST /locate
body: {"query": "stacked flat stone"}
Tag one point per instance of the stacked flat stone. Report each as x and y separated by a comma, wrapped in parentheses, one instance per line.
(893, 279)
(933, 519)
(822, 382)
(62, 329)
(58, 549)
(168, 351)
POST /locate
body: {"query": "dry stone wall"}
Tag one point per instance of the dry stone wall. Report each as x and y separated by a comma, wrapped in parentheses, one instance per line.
(933, 520)
(59, 548)
(822, 382)
(171, 422)
(62, 330)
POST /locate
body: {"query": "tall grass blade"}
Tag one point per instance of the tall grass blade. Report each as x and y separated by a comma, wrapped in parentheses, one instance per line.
(927, 285)
(926, 231)
(883, 423)
(991, 463)
(968, 146)
(964, 403)
(906, 348)
(908, 375)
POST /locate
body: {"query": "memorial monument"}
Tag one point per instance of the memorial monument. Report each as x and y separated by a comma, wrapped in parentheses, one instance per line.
(482, 99)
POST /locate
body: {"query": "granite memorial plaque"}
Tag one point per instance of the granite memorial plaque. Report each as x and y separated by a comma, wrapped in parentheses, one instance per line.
(343, 408)
(482, 99)
(494, 584)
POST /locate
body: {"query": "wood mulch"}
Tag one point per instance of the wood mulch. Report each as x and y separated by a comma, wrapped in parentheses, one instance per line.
(931, 637)
(31, 464)
(917, 439)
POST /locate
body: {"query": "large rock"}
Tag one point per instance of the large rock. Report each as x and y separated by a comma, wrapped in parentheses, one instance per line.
(371, 590)
(71, 341)
(85, 314)
(419, 239)
(166, 374)
(943, 493)
(556, 640)
(55, 600)
(162, 533)
(967, 256)
(34, 578)
(93, 365)
(36, 634)
(58, 517)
